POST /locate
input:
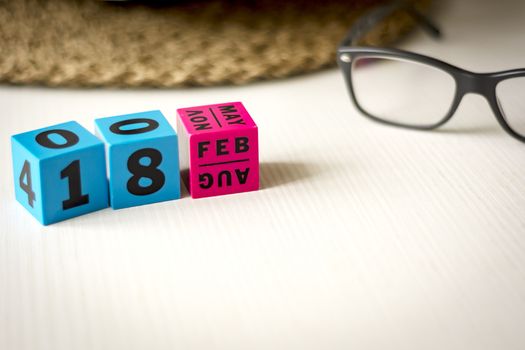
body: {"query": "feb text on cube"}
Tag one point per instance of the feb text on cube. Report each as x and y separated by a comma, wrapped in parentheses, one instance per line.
(142, 158)
(59, 172)
(219, 149)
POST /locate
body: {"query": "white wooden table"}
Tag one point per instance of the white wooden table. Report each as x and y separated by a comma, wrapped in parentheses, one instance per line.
(363, 236)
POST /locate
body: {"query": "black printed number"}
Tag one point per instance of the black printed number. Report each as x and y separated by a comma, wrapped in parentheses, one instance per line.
(25, 182)
(149, 171)
(76, 198)
(69, 137)
(117, 128)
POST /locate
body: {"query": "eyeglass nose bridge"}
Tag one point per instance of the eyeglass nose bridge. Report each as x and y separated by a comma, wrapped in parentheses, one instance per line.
(481, 84)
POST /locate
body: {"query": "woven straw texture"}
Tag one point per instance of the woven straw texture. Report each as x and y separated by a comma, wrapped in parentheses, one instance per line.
(93, 43)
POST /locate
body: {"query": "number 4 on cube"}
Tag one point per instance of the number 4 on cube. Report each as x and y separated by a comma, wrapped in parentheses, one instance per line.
(59, 172)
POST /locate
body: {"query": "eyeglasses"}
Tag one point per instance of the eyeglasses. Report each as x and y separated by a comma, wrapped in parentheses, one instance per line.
(409, 90)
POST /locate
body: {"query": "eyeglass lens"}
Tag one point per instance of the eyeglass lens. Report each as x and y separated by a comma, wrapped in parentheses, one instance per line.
(511, 100)
(402, 91)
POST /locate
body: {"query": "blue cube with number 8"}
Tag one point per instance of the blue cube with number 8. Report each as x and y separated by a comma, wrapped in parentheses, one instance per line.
(59, 172)
(143, 158)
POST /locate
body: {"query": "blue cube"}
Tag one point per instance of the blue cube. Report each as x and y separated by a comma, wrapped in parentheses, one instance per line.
(143, 158)
(59, 172)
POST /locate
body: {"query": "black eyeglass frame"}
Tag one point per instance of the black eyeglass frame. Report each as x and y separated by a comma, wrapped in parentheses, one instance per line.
(484, 84)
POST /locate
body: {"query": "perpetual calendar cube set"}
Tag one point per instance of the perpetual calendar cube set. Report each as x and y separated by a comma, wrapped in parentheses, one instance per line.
(63, 171)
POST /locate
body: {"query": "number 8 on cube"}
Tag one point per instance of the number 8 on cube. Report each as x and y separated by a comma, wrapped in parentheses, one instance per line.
(59, 172)
(142, 158)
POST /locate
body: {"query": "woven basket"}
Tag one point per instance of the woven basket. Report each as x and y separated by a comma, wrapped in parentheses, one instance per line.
(94, 43)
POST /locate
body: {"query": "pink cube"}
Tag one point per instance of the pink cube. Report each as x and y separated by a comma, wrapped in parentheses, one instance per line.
(219, 151)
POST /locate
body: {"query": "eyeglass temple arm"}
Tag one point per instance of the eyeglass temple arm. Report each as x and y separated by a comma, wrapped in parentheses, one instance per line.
(366, 23)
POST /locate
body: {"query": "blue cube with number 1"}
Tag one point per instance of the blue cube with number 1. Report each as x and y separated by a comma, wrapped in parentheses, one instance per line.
(143, 158)
(59, 172)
